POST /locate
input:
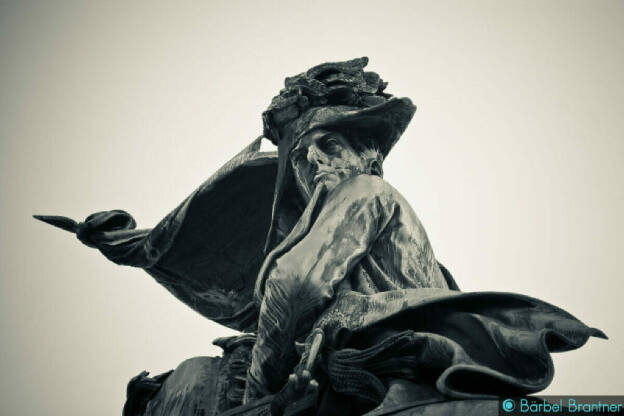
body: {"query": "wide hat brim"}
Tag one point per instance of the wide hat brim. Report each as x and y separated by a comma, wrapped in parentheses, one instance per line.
(383, 123)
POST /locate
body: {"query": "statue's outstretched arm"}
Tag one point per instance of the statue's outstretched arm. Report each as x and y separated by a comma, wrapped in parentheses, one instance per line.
(208, 250)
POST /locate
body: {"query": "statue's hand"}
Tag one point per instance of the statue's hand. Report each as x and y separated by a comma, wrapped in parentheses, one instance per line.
(298, 397)
(300, 393)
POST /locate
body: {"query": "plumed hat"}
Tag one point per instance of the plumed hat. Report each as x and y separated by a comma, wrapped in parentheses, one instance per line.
(335, 96)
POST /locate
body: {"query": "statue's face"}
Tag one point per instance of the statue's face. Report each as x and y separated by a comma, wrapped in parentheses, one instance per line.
(323, 156)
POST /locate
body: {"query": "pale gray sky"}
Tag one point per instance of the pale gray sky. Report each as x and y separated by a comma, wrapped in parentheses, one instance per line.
(513, 162)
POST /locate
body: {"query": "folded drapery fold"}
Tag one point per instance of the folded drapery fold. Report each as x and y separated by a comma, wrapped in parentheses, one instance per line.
(469, 345)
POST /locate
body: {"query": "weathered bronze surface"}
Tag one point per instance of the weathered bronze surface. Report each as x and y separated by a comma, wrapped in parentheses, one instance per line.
(329, 274)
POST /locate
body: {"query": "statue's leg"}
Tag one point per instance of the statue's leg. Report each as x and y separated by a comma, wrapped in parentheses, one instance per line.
(288, 311)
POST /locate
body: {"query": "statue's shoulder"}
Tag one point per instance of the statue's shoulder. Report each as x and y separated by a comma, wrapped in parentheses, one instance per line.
(374, 191)
(371, 189)
(368, 185)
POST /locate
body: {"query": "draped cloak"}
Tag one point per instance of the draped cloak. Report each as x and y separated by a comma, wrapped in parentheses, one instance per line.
(208, 252)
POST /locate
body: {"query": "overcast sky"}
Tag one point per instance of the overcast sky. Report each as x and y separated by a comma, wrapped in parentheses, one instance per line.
(513, 162)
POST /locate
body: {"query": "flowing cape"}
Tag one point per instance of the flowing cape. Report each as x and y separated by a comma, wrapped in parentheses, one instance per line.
(207, 251)
(469, 345)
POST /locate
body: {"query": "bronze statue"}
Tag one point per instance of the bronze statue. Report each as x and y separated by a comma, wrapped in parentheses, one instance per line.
(329, 274)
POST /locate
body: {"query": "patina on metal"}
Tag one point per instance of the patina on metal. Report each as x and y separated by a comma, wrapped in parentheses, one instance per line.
(329, 274)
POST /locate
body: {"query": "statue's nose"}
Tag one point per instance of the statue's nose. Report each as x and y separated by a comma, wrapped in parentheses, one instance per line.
(316, 157)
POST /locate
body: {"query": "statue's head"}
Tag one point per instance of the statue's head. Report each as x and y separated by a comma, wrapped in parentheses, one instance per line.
(331, 122)
(328, 157)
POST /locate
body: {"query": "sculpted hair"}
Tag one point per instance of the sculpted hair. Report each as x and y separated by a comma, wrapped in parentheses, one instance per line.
(367, 147)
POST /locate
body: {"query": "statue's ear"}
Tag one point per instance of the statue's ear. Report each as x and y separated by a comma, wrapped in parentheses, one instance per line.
(375, 167)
